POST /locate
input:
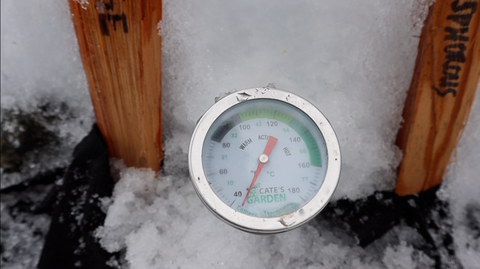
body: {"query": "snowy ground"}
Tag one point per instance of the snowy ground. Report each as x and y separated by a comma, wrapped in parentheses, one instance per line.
(353, 60)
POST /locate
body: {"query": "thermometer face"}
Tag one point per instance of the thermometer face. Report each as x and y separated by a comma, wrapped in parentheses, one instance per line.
(264, 160)
(293, 173)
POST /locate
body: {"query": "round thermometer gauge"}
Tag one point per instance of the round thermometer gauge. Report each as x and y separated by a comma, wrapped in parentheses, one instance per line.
(264, 160)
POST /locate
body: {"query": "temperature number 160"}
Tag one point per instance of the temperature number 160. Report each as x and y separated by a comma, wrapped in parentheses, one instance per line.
(304, 165)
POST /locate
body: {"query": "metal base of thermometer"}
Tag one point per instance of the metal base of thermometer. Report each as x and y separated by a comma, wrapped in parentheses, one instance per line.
(264, 160)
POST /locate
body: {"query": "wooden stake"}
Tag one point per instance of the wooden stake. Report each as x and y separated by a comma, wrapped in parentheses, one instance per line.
(442, 91)
(121, 53)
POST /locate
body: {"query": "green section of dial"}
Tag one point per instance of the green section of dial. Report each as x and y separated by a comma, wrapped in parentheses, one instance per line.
(312, 146)
(305, 134)
(283, 117)
(256, 113)
(265, 113)
(315, 156)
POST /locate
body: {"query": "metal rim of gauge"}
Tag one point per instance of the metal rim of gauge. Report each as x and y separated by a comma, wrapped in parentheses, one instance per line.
(263, 225)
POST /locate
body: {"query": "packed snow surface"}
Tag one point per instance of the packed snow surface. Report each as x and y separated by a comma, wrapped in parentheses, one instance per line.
(352, 59)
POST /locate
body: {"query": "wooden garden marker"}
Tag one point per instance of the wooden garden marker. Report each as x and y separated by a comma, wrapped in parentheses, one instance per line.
(121, 53)
(446, 77)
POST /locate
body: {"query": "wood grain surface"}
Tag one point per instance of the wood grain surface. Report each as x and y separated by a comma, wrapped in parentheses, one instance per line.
(441, 93)
(121, 54)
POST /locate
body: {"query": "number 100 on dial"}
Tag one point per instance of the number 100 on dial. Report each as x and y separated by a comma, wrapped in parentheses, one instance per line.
(264, 160)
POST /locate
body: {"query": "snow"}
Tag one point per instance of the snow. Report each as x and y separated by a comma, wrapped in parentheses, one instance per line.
(462, 189)
(337, 55)
(353, 60)
(41, 66)
(40, 54)
(201, 240)
(22, 236)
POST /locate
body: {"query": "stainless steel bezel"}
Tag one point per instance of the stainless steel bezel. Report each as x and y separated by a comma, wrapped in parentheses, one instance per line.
(238, 219)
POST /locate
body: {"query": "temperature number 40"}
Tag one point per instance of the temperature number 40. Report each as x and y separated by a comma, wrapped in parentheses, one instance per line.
(238, 194)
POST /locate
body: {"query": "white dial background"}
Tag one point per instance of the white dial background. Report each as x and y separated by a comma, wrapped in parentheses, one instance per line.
(290, 178)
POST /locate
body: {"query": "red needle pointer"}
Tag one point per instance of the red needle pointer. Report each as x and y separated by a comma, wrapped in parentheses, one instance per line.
(263, 159)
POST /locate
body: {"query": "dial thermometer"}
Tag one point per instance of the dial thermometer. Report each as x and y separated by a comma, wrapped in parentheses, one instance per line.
(264, 160)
